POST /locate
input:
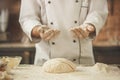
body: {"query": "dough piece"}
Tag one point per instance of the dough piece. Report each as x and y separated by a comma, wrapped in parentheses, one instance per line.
(101, 67)
(58, 65)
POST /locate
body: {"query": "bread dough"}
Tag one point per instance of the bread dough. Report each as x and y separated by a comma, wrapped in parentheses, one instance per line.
(58, 65)
(101, 67)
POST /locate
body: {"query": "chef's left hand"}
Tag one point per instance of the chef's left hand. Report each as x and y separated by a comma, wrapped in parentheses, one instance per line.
(83, 31)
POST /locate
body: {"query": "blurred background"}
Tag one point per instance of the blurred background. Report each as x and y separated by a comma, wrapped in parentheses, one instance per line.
(13, 42)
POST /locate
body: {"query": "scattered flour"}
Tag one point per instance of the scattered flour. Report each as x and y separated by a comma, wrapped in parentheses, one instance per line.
(99, 71)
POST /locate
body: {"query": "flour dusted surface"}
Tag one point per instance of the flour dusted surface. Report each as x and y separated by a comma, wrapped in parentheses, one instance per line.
(97, 72)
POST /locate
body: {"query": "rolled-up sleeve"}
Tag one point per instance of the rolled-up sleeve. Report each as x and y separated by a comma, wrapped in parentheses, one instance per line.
(29, 16)
(97, 14)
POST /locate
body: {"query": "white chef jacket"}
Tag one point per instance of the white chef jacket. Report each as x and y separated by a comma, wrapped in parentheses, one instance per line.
(63, 15)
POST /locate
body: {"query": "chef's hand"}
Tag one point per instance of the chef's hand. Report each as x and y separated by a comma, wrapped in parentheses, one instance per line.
(83, 31)
(44, 32)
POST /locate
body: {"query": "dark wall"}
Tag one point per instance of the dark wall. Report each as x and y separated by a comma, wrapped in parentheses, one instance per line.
(14, 30)
(110, 33)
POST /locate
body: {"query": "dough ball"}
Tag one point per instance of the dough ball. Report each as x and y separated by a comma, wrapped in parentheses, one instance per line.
(101, 67)
(58, 65)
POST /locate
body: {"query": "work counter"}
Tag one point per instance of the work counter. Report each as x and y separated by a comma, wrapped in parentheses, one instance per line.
(31, 72)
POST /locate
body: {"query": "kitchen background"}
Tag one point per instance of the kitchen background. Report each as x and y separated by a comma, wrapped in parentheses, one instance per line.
(13, 42)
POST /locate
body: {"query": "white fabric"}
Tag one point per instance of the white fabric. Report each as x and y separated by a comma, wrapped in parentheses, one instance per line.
(63, 14)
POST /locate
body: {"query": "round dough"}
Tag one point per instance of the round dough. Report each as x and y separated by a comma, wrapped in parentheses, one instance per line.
(58, 65)
(101, 67)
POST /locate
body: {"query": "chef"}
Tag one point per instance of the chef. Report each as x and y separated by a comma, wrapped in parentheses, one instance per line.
(63, 28)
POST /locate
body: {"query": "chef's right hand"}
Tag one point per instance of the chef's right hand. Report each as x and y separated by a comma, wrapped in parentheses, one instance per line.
(44, 32)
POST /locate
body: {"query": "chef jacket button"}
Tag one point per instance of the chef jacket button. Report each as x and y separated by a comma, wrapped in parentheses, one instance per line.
(74, 59)
(51, 23)
(74, 41)
(77, 1)
(53, 43)
(75, 22)
(49, 2)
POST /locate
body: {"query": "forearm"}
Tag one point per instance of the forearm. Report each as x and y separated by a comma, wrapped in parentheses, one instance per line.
(29, 19)
(97, 15)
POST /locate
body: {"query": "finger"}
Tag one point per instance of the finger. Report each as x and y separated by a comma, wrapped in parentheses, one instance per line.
(83, 32)
(45, 27)
(56, 31)
(73, 28)
(42, 35)
(50, 36)
(74, 34)
(79, 34)
(47, 33)
(41, 31)
(90, 28)
(53, 34)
